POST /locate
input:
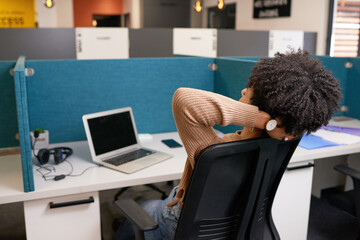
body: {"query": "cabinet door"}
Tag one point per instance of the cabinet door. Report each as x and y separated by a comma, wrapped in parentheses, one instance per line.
(67, 217)
(291, 206)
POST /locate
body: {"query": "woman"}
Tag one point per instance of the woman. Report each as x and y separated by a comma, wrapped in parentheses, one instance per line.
(286, 96)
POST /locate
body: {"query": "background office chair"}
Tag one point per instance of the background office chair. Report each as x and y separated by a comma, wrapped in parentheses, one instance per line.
(348, 201)
(230, 194)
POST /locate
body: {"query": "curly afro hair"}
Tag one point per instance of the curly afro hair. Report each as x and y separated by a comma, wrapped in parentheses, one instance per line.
(297, 89)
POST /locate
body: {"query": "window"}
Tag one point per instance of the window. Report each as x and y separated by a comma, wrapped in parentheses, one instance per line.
(345, 29)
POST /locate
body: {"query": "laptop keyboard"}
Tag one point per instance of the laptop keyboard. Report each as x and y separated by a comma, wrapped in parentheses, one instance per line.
(127, 157)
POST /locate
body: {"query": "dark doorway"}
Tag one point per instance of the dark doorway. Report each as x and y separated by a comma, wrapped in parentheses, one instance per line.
(106, 20)
(224, 18)
(127, 20)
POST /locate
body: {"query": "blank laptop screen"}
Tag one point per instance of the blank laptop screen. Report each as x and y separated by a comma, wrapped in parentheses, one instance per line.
(111, 132)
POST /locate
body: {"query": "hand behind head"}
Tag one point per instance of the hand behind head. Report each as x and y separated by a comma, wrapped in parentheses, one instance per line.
(279, 132)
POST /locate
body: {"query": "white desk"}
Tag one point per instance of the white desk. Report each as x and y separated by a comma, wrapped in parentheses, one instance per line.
(95, 179)
(36, 203)
(292, 199)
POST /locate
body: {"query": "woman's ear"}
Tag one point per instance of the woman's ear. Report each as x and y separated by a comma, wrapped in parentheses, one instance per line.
(246, 95)
(243, 92)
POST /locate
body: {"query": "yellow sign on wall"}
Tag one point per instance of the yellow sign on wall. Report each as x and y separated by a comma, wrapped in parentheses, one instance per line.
(17, 14)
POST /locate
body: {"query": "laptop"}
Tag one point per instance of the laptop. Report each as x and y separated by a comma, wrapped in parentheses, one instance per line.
(114, 142)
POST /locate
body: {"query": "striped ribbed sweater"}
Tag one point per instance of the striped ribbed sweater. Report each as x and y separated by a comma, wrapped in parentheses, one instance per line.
(195, 113)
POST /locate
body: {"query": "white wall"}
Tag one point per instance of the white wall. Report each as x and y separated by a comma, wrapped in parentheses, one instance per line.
(134, 8)
(45, 17)
(195, 17)
(306, 15)
(65, 13)
(60, 15)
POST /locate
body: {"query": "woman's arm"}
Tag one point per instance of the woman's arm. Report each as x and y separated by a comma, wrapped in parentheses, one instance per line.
(197, 111)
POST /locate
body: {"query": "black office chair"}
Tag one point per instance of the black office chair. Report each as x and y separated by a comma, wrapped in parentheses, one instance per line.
(152, 186)
(348, 201)
(230, 193)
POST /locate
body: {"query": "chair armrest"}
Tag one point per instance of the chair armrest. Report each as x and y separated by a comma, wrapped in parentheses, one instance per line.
(135, 214)
(348, 171)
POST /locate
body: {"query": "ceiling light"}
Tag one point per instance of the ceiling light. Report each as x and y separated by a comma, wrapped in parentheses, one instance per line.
(221, 4)
(49, 3)
(198, 6)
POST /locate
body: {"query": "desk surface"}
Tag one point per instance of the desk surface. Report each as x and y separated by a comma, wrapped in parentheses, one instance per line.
(94, 179)
(100, 178)
(302, 154)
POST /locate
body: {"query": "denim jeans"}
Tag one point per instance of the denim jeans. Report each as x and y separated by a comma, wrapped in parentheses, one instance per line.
(166, 217)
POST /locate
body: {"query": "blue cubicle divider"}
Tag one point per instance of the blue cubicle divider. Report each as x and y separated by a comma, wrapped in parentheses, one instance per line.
(62, 91)
(352, 91)
(347, 71)
(8, 115)
(233, 73)
(231, 77)
(339, 71)
(244, 58)
(23, 123)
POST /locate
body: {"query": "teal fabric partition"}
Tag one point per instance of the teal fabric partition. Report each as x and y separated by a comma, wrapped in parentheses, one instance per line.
(8, 115)
(233, 73)
(23, 124)
(347, 71)
(60, 92)
(231, 76)
(244, 58)
(352, 91)
(340, 72)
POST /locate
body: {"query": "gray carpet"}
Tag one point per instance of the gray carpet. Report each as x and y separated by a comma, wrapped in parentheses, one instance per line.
(12, 225)
(329, 223)
(326, 222)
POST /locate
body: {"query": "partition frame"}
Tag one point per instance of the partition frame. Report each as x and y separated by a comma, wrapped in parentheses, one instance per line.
(23, 123)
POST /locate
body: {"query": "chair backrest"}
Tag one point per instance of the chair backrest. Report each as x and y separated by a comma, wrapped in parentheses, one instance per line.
(232, 190)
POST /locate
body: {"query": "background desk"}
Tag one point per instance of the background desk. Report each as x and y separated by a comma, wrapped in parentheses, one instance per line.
(292, 199)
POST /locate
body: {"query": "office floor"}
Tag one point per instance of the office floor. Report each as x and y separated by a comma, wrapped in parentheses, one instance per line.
(326, 222)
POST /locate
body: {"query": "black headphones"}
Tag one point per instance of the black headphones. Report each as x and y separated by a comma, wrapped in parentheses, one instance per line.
(43, 155)
(60, 154)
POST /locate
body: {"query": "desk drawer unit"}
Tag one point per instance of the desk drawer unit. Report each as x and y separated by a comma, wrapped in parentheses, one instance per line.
(291, 205)
(67, 217)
